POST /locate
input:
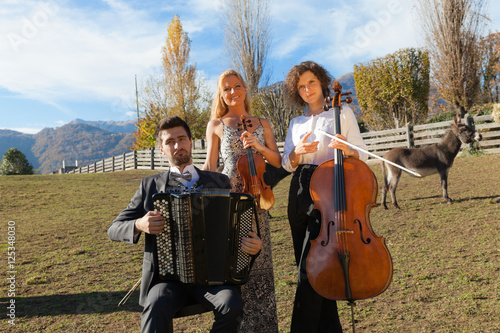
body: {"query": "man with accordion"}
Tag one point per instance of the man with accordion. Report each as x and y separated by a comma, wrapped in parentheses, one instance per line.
(164, 290)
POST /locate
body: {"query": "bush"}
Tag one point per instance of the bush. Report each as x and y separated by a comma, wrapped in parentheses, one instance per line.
(472, 151)
(443, 116)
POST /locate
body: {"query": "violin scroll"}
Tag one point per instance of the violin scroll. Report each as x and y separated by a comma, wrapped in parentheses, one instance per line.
(245, 123)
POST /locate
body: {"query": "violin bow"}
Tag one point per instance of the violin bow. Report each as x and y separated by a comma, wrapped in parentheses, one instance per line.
(371, 154)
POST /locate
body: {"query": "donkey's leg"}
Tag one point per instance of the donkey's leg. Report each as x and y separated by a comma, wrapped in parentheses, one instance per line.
(444, 184)
(394, 175)
(385, 186)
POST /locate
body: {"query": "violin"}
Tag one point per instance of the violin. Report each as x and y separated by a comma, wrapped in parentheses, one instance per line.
(347, 261)
(252, 167)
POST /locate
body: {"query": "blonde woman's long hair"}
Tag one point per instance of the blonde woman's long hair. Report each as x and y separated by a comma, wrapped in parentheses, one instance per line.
(219, 107)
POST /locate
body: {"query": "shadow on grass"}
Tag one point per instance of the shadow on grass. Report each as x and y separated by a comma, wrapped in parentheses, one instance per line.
(462, 199)
(88, 303)
(491, 197)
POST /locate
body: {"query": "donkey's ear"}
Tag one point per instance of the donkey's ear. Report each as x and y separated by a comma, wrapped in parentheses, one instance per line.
(457, 119)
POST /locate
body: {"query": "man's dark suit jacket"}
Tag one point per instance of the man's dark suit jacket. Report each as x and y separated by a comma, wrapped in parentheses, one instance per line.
(122, 228)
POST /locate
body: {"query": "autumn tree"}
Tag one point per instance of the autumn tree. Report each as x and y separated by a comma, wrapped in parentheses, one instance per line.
(269, 103)
(177, 91)
(451, 30)
(144, 137)
(14, 162)
(393, 90)
(490, 68)
(247, 38)
(182, 85)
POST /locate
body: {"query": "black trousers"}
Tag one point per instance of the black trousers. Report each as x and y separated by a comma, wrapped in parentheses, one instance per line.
(311, 312)
(166, 297)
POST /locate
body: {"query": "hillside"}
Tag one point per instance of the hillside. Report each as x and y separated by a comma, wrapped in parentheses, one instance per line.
(76, 141)
(110, 125)
(21, 141)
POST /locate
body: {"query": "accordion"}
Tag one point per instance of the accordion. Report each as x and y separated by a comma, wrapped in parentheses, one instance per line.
(200, 243)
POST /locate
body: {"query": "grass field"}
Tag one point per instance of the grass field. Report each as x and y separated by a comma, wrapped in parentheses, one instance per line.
(69, 276)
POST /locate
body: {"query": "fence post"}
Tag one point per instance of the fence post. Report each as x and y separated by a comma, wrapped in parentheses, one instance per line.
(152, 158)
(123, 162)
(95, 167)
(409, 135)
(103, 166)
(113, 163)
(135, 159)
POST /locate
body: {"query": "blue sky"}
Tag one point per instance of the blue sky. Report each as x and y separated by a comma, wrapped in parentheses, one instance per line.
(67, 59)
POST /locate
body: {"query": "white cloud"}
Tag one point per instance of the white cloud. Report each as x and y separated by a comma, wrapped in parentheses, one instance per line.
(54, 52)
(62, 53)
(26, 130)
(341, 34)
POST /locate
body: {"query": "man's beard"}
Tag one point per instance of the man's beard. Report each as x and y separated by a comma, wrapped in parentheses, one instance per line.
(182, 159)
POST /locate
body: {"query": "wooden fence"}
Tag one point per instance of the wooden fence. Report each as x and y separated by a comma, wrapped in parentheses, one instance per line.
(422, 135)
(378, 143)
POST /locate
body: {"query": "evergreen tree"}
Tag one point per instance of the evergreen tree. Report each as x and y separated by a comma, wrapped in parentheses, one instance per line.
(15, 163)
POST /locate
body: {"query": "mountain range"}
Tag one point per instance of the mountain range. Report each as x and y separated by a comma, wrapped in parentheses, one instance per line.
(79, 140)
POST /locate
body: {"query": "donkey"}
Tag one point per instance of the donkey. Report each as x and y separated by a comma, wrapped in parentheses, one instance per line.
(436, 158)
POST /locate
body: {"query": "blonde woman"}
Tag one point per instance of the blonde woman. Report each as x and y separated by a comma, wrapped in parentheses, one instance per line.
(225, 136)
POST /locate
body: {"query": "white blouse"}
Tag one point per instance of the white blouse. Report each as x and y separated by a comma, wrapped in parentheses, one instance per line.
(302, 124)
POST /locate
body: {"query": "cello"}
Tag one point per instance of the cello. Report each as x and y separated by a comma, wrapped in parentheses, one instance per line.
(252, 167)
(347, 261)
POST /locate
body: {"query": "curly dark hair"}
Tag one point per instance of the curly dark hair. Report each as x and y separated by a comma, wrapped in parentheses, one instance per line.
(292, 93)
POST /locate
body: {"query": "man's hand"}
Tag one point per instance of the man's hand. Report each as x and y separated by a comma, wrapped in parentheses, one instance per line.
(252, 244)
(151, 223)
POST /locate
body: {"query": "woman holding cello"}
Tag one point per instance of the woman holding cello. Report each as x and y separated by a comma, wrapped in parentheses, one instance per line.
(232, 132)
(307, 85)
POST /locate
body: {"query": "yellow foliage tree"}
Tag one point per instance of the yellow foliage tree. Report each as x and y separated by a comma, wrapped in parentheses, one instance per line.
(144, 137)
(394, 90)
(179, 93)
(181, 84)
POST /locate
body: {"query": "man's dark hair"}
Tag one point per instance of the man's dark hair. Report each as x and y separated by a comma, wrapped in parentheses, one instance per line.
(170, 122)
(292, 93)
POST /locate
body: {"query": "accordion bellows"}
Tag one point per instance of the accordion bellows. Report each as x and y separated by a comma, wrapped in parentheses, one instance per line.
(200, 243)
